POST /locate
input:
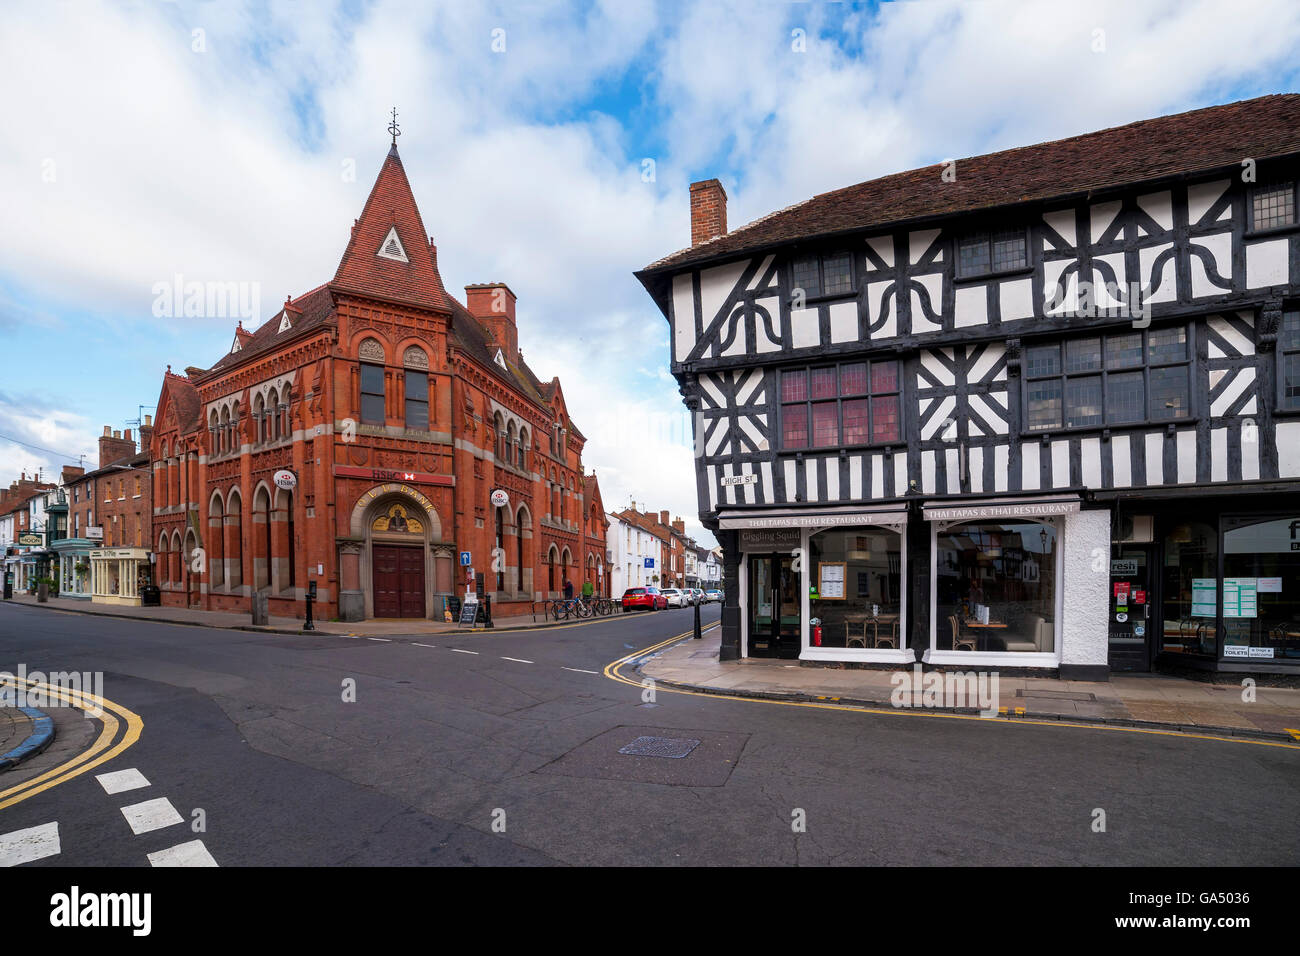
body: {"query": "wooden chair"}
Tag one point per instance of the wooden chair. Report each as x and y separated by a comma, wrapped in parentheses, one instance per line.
(960, 640)
(851, 639)
(890, 639)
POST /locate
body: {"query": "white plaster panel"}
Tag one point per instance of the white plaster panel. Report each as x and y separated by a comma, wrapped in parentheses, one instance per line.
(1186, 456)
(716, 285)
(971, 306)
(919, 242)
(1017, 299)
(844, 321)
(683, 316)
(762, 341)
(1288, 449)
(883, 246)
(1159, 207)
(1062, 222)
(1029, 478)
(1266, 264)
(1220, 248)
(1201, 197)
(804, 329)
(1084, 627)
(1121, 462)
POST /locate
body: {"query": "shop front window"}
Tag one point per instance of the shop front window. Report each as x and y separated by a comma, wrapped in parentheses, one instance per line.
(995, 587)
(856, 583)
(1261, 588)
(1190, 587)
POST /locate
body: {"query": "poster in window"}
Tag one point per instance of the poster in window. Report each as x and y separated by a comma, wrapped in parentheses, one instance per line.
(830, 580)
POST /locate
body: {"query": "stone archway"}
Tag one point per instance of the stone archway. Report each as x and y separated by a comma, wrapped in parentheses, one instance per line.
(392, 564)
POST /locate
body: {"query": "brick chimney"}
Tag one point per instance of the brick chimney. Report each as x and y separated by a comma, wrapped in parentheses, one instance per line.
(146, 433)
(114, 448)
(493, 304)
(708, 211)
(663, 518)
(679, 526)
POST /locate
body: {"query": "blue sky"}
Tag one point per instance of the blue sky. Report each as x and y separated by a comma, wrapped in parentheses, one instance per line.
(213, 140)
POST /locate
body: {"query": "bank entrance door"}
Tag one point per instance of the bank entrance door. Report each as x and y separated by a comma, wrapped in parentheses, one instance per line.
(774, 607)
(398, 581)
(1129, 608)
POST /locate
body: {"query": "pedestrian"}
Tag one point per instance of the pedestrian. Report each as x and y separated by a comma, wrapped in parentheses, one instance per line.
(588, 589)
(568, 590)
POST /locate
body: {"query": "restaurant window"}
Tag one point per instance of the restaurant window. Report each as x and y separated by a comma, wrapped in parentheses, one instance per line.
(995, 587)
(1272, 206)
(830, 274)
(372, 394)
(1288, 352)
(1260, 590)
(1121, 379)
(985, 253)
(852, 404)
(856, 591)
(417, 400)
(1189, 586)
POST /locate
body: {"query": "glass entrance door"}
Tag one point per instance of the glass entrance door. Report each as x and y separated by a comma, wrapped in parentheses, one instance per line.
(1129, 609)
(775, 621)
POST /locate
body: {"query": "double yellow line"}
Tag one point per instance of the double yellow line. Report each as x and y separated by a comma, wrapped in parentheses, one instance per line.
(114, 717)
(614, 669)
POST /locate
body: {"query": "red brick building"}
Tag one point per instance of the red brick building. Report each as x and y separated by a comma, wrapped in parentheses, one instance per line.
(671, 564)
(398, 411)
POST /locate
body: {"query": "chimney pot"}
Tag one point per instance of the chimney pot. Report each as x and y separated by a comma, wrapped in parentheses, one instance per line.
(108, 431)
(708, 211)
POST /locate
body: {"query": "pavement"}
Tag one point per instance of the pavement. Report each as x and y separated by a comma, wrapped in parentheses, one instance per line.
(1147, 700)
(277, 625)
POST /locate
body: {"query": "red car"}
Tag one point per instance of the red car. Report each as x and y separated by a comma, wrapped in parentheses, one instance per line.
(648, 598)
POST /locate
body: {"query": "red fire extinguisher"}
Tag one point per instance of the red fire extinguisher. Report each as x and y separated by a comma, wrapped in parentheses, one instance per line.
(817, 635)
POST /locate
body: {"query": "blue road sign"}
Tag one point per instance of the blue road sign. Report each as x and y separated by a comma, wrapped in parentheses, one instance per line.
(649, 562)
(464, 559)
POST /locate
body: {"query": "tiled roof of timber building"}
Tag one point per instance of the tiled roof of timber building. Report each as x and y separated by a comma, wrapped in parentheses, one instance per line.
(1183, 144)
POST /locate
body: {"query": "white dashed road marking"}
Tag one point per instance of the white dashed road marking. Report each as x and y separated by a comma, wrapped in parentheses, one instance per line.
(459, 650)
(151, 815)
(34, 843)
(382, 640)
(120, 781)
(418, 644)
(193, 853)
(517, 660)
(579, 670)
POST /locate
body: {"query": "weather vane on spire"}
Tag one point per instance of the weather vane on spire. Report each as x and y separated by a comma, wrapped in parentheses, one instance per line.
(393, 128)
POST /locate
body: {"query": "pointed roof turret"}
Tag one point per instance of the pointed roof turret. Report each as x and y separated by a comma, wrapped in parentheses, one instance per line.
(389, 255)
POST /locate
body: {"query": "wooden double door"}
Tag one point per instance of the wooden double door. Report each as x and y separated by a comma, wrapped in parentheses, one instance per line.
(398, 577)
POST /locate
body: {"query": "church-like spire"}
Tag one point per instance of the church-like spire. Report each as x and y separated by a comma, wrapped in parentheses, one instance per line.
(389, 254)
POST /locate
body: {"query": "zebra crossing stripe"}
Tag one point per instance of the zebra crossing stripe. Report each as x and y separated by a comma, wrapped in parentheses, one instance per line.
(34, 843)
(151, 815)
(193, 853)
(119, 781)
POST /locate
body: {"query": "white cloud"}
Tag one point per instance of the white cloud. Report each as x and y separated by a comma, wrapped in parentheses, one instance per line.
(227, 164)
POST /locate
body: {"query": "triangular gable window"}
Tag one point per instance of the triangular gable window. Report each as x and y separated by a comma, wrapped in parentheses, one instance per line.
(500, 359)
(285, 324)
(391, 247)
(235, 346)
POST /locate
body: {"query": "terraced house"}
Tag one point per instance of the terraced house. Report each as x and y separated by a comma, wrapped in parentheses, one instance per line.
(1035, 409)
(376, 440)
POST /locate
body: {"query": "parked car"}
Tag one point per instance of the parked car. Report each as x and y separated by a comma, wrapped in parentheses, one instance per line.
(647, 599)
(713, 594)
(676, 597)
(699, 596)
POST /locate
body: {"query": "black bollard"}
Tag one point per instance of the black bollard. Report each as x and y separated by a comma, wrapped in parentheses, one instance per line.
(487, 612)
(698, 633)
(311, 596)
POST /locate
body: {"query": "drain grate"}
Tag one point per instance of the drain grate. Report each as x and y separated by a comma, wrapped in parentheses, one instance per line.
(659, 747)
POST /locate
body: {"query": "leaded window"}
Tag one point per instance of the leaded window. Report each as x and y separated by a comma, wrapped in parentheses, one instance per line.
(372, 394)
(856, 403)
(417, 400)
(1273, 206)
(1288, 348)
(830, 274)
(985, 253)
(1100, 380)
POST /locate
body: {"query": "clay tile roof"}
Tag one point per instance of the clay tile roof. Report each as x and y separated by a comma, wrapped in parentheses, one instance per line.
(311, 310)
(392, 205)
(1199, 141)
(185, 399)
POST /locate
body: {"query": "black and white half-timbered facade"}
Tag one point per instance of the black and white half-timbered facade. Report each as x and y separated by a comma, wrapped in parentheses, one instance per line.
(1037, 409)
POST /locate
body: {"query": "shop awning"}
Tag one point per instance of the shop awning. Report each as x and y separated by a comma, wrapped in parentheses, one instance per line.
(812, 517)
(999, 508)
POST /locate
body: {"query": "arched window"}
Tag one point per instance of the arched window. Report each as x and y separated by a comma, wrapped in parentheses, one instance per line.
(214, 426)
(164, 576)
(215, 541)
(273, 410)
(523, 448)
(417, 388)
(511, 438)
(234, 540)
(371, 354)
(499, 433)
(259, 413)
(550, 569)
(521, 522)
(499, 555)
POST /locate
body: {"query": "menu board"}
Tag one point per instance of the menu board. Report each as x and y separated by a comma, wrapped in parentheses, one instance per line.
(830, 580)
(1204, 597)
(1239, 597)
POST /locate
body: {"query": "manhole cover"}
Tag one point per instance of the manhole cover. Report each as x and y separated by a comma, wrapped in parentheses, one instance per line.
(659, 747)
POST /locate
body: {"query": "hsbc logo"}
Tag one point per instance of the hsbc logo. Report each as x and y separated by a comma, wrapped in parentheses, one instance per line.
(408, 476)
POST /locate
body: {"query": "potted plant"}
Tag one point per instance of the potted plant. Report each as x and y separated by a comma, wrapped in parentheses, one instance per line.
(43, 587)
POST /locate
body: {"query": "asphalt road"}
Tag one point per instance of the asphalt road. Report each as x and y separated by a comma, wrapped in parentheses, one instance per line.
(456, 754)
